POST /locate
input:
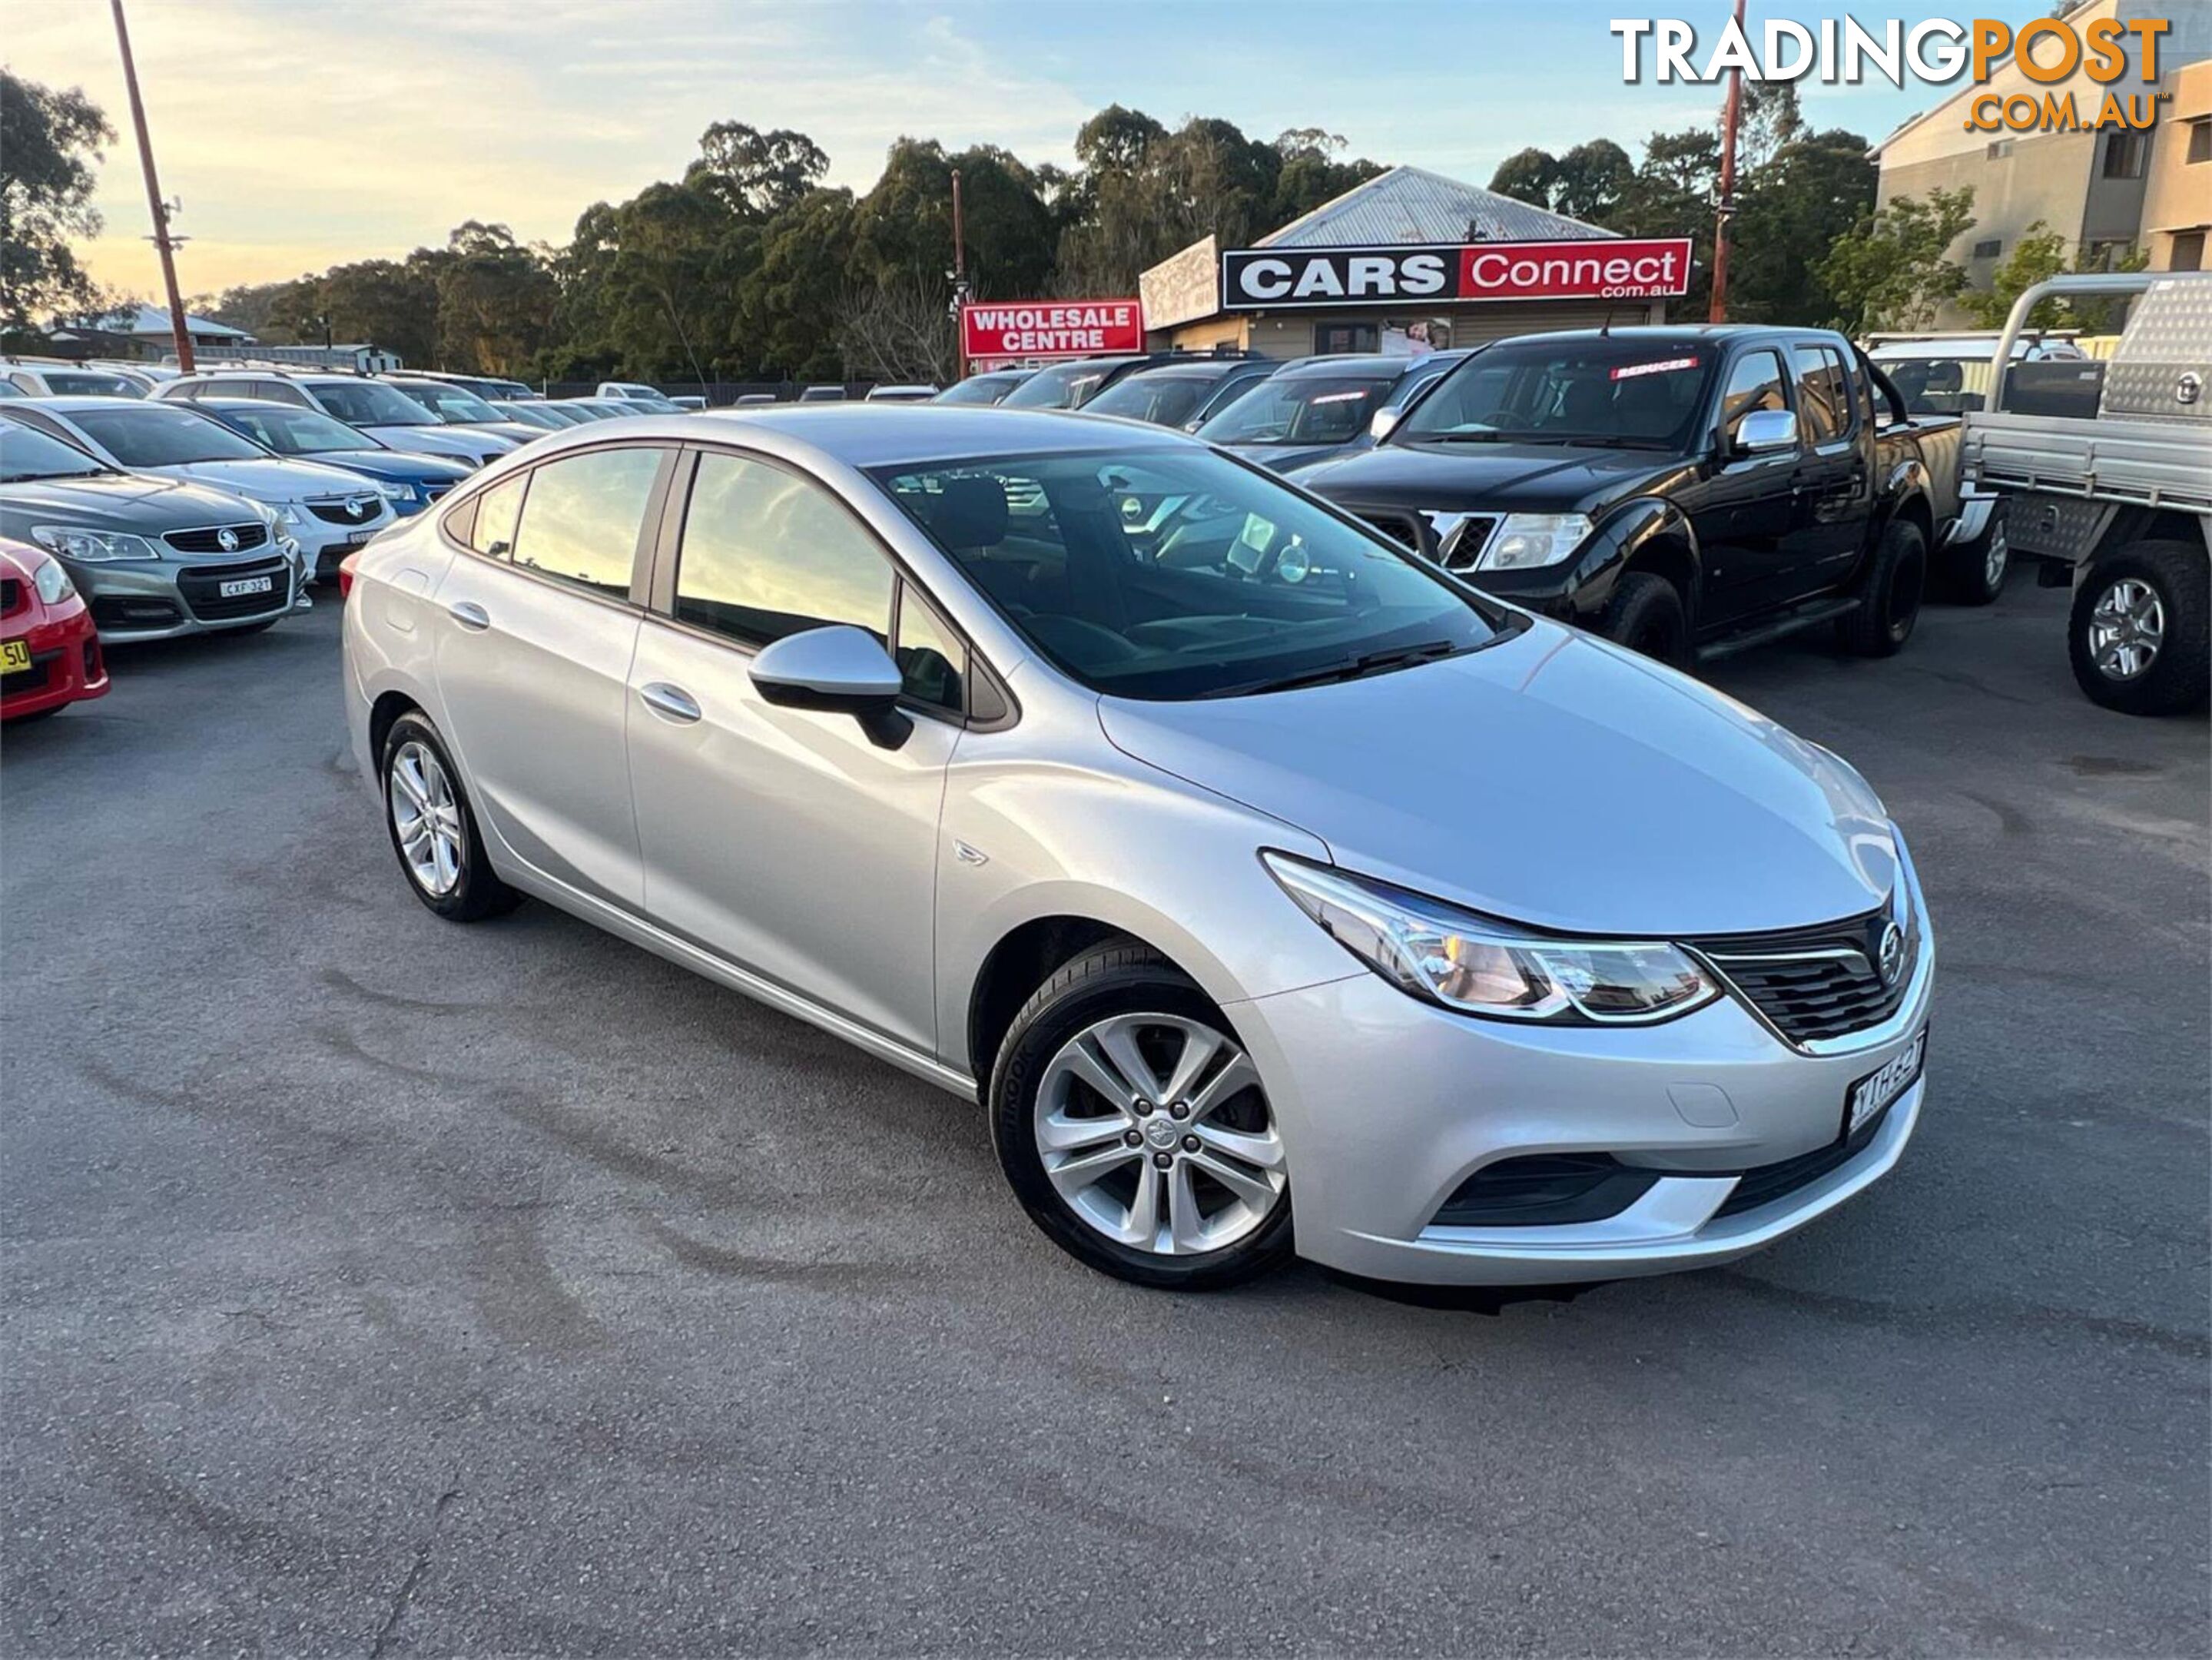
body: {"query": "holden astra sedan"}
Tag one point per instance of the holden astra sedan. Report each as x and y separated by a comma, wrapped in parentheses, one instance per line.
(326, 511)
(1274, 891)
(154, 557)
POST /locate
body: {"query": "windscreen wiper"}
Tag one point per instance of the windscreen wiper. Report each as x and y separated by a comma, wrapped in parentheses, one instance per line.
(1374, 662)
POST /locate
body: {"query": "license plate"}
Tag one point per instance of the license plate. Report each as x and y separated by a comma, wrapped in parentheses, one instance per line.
(14, 654)
(1878, 1089)
(359, 538)
(238, 588)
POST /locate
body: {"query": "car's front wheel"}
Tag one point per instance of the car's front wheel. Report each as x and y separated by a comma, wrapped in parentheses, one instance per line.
(1134, 1130)
(433, 829)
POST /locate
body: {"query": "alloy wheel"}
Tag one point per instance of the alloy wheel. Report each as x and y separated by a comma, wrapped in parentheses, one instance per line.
(1154, 1130)
(426, 817)
(1996, 557)
(2126, 630)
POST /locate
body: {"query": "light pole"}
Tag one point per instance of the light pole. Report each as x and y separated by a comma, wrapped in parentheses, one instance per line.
(959, 285)
(1724, 208)
(164, 243)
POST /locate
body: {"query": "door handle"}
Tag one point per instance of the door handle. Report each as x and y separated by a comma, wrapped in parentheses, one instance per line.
(673, 702)
(470, 614)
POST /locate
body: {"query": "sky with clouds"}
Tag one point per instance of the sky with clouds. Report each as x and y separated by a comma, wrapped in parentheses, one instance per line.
(300, 133)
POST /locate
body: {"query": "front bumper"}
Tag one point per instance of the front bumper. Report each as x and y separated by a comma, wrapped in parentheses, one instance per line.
(169, 599)
(1386, 1105)
(66, 665)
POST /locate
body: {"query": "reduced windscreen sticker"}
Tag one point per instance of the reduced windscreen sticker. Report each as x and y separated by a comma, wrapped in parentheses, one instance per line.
(1672, 365)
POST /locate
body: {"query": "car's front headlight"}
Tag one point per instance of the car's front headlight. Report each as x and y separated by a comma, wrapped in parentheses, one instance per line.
(1528, 541)
(52, 583)
(1476, 965)
(397, 493)
(92, 546)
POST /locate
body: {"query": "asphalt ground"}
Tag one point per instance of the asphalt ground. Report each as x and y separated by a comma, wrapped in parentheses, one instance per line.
(373, 1285)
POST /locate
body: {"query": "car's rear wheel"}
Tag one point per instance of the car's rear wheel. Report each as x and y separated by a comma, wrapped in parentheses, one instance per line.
(1134, 1129)
(1889, 602)
(433, 829)
(2140, 633)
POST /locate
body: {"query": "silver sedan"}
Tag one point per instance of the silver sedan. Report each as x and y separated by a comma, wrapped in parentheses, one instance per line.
(1229, 854)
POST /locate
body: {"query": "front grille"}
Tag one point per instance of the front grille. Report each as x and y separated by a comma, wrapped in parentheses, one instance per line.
(1465, 544)
(1406, 527)
(358, 510)
(202, 588)
(1768, 1182)
(1816, 983)
(210, 539)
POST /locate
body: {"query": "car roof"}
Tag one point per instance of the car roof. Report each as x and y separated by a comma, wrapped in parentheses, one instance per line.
(860, 436)
(1375, 365)
(85, 402)
(1193, 368)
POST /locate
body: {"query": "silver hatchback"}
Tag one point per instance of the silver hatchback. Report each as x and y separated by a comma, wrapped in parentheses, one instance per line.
(1273, 890)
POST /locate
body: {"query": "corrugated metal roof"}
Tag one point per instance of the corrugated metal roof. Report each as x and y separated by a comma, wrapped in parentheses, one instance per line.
(155, 319)
(1412, 204)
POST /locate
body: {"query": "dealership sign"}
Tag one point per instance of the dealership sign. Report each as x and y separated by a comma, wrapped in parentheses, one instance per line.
(1607, 268)
(1051, 328)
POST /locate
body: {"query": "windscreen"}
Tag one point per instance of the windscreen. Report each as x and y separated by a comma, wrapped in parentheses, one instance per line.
(1316, 409)
(1617, 392)
(1164, 400)
(75, 384)
(979, 389)
(452, 405)
(291, 431)
(371, 404)
(162, 436)
(1062, 387)
(1172, 573)
(25, 455)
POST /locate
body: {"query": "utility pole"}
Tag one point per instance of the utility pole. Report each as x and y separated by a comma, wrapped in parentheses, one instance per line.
(1724, 209)
(163, 242)
(959, 284)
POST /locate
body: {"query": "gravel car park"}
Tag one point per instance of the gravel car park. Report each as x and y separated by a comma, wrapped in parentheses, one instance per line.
(508, 1289)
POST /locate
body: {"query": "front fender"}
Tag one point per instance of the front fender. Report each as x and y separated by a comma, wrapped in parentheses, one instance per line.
(1167, 862)
(1579, 589)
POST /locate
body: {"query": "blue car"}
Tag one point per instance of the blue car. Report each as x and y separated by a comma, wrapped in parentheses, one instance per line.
(409, 482)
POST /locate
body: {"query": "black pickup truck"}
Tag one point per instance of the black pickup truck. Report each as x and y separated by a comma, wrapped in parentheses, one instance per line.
(1686, 491)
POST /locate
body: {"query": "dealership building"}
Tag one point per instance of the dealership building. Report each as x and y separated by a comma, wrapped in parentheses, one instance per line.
(1407, 261)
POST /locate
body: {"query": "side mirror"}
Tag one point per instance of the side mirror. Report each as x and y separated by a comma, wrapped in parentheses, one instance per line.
(1766, 432)
(1385, 421)
(838, 670)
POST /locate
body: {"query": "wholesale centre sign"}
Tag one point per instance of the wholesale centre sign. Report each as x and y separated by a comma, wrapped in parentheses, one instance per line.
(1051, 328)
(1607, 268)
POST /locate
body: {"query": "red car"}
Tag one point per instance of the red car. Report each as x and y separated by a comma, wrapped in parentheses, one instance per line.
(49, 652)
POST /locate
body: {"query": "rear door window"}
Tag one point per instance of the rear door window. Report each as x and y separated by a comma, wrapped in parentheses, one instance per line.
(1823, 395)
(582, 514)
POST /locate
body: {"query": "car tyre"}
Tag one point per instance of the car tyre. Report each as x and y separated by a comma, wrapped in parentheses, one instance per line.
(2139, 632)
(1646, 614)
(1111, 1001)
(1889, 600)
(433, 829)
(1973, 572)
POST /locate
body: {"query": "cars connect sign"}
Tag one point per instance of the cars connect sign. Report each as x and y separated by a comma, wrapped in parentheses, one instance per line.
(1028, 329)
(1607, 268)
